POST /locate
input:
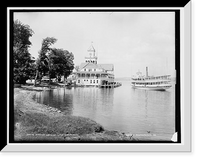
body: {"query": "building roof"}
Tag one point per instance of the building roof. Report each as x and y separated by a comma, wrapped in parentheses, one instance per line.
(93, 57)
(107, 67)
(92, 72)
(92, 66)
(82, 65)
(91, 48)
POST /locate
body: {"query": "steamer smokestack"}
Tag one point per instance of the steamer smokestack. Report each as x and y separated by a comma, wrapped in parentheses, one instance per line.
(146, 71)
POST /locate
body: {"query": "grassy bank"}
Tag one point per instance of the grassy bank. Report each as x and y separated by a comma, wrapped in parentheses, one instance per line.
(37, 122)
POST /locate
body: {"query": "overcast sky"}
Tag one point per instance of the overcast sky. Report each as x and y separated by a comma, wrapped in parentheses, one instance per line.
(129, 40)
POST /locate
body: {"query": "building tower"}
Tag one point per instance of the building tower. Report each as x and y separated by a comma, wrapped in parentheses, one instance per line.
(92, 57)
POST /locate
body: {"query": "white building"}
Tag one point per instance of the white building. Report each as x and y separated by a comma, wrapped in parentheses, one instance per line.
(91, 73)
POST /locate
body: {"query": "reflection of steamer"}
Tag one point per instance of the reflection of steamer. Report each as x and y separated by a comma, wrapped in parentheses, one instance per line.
(151, 82)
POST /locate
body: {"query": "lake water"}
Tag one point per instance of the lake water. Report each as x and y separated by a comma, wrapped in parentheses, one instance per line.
(122, 109)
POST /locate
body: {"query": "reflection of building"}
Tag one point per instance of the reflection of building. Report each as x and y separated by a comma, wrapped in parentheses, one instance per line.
(93, 74)
(93, 103)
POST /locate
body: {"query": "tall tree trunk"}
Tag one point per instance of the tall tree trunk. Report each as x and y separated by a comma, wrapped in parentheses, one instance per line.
(64, 79)
(49, 64)
(37, 72)
(49, 77)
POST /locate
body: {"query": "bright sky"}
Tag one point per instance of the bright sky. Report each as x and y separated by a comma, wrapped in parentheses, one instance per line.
(129, 40)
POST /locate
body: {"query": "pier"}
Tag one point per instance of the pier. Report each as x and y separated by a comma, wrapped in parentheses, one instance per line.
(110, 85)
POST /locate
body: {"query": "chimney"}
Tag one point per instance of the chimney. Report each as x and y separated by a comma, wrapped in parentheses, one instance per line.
(146, 71)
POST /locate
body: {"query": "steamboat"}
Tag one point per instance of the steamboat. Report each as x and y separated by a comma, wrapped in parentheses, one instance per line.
(160, 83)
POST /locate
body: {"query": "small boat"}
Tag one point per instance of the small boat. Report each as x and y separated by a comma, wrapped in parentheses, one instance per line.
(159, 83)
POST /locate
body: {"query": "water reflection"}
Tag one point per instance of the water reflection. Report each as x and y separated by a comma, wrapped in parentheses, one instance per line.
(157, 110)
(93, 102)
(123, 109)
(60, 98)
(107, 101)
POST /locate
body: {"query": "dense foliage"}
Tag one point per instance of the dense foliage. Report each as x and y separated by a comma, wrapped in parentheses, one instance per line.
(23, 63)
(51, 61)
(55, 62)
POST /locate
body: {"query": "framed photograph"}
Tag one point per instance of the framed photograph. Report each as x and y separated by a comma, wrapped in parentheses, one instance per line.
(99, 78)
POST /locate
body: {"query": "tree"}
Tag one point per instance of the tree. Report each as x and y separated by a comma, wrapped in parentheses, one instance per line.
(22, 61)
(62, 62)
(55, 62)
(43, 63)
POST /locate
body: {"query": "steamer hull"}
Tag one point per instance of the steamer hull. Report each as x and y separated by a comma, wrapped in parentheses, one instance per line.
(155, 88)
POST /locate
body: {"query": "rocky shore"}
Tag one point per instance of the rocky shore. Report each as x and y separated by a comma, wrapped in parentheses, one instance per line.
(38, 122)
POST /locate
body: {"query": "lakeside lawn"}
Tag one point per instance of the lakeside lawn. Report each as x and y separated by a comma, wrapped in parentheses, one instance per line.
(36, 122)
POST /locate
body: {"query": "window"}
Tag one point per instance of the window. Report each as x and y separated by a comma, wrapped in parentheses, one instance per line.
(97, 81)
(93, 81)
(84, 69)
(79, 81)
(94, 69)
(90, 81)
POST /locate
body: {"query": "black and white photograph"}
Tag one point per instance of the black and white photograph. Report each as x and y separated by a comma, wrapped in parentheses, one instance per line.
(95, 76)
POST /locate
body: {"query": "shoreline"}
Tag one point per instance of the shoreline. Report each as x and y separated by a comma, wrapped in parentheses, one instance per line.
(38, 122)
